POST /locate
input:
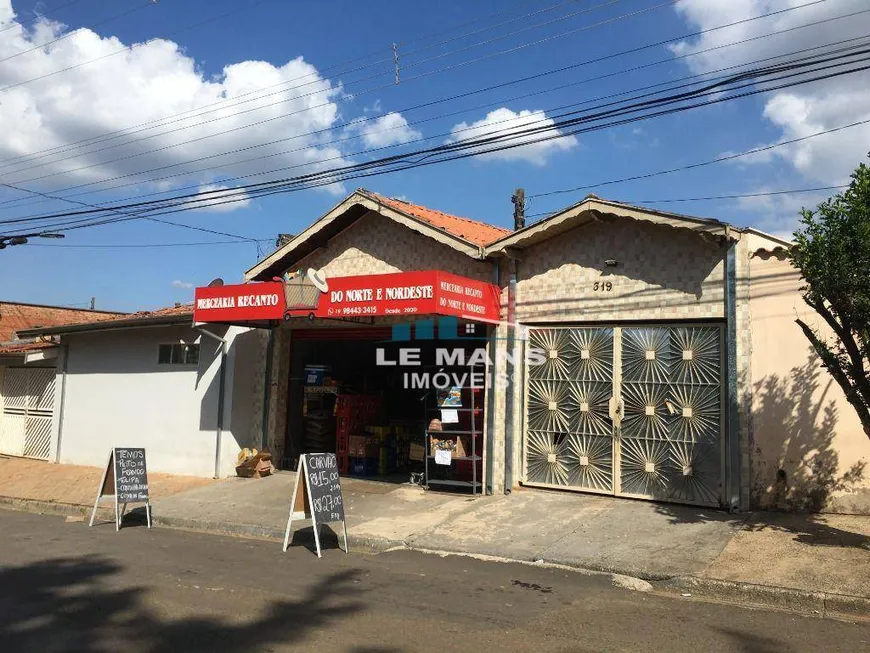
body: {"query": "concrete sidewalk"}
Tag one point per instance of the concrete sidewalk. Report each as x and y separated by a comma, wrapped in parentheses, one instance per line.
(38, 481)
(810, 563)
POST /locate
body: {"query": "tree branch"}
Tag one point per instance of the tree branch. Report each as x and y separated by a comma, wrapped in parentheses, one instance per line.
(829, 360)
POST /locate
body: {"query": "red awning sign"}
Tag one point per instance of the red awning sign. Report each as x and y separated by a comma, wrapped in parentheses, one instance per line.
(429, 292)
(248, 302)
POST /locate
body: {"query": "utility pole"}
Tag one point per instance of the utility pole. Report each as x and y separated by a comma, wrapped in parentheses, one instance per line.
(396, 60)
(519, 202)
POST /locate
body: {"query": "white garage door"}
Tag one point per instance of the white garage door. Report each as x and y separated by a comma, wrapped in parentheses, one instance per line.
(28, 404)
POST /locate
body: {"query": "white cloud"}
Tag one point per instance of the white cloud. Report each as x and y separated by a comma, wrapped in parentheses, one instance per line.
(186, 285)
(505, 120)
(147, 83)
(217, 202)
(798, 111)
(389, 129)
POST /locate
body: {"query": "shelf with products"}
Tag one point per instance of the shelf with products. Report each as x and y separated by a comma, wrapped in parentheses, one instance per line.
(454, 438)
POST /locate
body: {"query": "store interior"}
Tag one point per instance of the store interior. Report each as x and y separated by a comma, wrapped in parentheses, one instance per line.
(381, 424)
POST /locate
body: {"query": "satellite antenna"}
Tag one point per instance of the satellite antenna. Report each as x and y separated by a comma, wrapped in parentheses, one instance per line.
(216, 283)
(318, 279)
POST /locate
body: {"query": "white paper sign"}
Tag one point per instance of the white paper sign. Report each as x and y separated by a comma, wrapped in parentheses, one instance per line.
(442, 457)
(449, 416)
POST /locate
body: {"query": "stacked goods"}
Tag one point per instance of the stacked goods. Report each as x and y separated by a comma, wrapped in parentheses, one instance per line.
(353, 413)
(404, 435)
(318, 430)
(253, 464)
(386, 441)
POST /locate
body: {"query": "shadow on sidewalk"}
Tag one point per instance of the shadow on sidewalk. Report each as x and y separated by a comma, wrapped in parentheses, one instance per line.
(76, 605)
(795, 463)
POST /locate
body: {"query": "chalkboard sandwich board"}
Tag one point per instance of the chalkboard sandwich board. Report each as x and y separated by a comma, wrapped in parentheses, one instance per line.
(126, 480)
(317, 495)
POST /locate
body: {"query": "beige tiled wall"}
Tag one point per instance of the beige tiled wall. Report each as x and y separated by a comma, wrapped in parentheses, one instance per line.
(376, 244)
(663, 273)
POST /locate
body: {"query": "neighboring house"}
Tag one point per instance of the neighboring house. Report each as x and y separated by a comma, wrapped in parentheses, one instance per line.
(27, 375)
(152, 379)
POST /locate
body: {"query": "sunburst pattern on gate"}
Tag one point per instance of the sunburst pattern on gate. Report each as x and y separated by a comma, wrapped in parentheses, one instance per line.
(558, 353)
(646, 355)
(544, 464)
(695, 356)
(646, 413)
(591, 354)
(572, 460)
(552, 406)
(590, 408)
(697, 414)
(645, 467)
(589, 459)
(695, 476)
(670, 435)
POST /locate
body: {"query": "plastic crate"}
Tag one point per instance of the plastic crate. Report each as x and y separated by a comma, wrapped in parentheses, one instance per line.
(363, 466)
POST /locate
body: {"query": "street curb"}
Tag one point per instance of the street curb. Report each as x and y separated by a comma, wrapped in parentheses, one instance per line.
(51, 507)
(367, 543)
(766, 596)
(826, 604)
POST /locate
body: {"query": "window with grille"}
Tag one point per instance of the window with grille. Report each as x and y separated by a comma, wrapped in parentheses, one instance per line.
(178, 354)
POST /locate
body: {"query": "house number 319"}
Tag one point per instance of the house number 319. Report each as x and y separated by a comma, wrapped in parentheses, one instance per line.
(602, 286)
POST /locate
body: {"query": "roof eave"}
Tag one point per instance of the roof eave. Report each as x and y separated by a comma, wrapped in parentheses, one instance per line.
(594, 209)
(281, 258)
(180, 319)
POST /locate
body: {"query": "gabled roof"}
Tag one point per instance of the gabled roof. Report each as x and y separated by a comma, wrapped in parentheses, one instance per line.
(473, 231)
(181, 314)
(465, 235)
(594, 209)
(18, 316)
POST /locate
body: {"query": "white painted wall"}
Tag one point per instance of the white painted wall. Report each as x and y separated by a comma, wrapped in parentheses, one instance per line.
(117, 395)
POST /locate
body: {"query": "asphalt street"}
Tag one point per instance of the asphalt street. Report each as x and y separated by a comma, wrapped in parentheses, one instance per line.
(65, 587)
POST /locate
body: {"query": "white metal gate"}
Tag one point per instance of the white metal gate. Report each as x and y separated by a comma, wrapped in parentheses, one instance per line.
(631, 411)
(28, 404)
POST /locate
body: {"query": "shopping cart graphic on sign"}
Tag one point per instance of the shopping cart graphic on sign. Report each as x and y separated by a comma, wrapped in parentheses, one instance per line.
(303, 291)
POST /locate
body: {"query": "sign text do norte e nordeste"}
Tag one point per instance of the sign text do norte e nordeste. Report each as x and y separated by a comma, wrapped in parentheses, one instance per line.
(427, 292)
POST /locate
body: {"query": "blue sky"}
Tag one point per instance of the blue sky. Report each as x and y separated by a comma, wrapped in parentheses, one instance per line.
(258, 46)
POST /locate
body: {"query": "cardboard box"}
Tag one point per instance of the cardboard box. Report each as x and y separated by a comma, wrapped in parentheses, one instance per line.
(363, 446)
(416, 452)
(452, 444)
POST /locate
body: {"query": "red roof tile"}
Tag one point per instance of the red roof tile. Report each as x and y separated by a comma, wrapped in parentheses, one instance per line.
(123, 320)
(24, 347)
(479, 233)
(16, 317)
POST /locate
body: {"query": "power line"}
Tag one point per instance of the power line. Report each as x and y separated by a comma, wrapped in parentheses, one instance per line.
(311, 107)
(16, 23)
(151, 245)
(128, 49)
(365, 169)
(562, 69)
(66, 35)
(772, 193)
(442, 115)
(168, 222)
(233, 101)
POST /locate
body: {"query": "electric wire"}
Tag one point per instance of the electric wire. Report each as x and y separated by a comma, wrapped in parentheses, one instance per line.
(437, 101)
(308, 108)
(365, 169)
(413, 123)
(226, 103)
(66, 35)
